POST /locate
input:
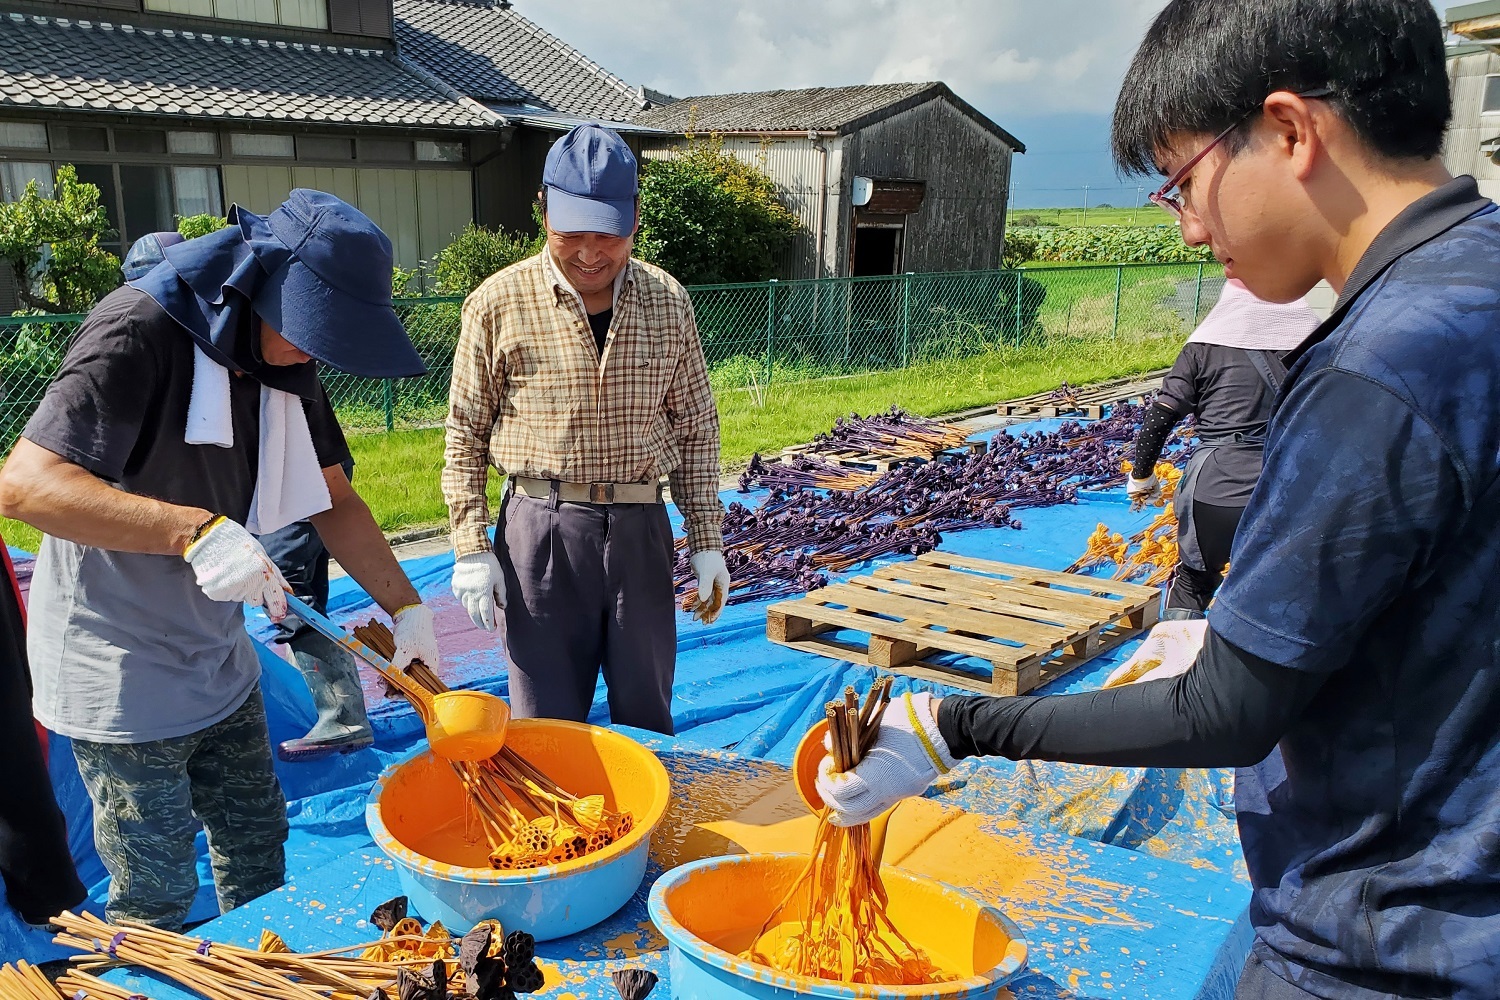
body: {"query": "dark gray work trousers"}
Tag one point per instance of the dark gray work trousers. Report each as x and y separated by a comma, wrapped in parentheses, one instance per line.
(588, 586)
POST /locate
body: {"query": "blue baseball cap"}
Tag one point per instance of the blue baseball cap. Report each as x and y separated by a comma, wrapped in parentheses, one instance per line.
(592, 182)
(146, 252)
(328, 290)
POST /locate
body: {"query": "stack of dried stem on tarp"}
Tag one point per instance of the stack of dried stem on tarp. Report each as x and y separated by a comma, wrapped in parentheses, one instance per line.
(810, 525)
(833, 924)
(407, 963)
(25, 982)
(529, 821)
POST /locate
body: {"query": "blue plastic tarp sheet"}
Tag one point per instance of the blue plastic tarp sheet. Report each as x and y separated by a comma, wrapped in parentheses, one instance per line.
(734, 690)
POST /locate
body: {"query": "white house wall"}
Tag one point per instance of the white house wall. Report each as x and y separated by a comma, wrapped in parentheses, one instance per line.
(420, 210)
(795, 166)
(1470, 128)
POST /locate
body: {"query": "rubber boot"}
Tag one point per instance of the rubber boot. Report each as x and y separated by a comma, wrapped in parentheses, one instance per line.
(333, 680)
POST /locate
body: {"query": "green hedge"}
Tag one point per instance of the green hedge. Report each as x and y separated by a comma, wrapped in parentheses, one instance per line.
(1104, 244)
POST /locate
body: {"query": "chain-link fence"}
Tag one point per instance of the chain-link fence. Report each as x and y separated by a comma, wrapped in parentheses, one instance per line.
(760, 334)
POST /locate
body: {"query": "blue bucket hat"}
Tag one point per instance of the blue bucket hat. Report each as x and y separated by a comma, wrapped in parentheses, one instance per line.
(146, 252)
(592, 182)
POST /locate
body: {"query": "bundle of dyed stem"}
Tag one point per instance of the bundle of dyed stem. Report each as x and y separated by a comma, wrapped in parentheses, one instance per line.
(25, 982)
(211, 969)
(833, 923)
(1150, 555)
(527, 819)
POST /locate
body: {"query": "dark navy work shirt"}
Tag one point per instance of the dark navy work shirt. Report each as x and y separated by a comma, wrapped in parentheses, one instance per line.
(1370, 555)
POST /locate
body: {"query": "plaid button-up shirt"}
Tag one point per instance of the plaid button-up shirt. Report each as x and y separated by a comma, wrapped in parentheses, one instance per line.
(531, 396)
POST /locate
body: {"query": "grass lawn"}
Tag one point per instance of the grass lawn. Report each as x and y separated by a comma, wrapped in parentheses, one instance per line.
(397, 473)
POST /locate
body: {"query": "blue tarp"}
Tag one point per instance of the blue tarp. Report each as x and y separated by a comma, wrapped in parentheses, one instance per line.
(734, 690)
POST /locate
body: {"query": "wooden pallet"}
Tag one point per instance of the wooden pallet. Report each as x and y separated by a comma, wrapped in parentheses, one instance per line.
(1088, 401)
(875, 461)
(1030, 625)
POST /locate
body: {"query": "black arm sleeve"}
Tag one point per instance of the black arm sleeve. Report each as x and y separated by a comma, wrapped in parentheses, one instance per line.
(1151, 438)
(1229, 710)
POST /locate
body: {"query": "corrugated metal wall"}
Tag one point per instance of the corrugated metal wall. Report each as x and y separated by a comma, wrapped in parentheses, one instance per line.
(795, 165)
(420, 210)
(1461, 152)
(961, 225)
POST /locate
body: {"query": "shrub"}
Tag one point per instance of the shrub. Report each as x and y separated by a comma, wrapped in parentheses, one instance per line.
(193, 226)
(478, 252)
(1110, 244)
(52, 245)
(710, 218)
(1019, 248)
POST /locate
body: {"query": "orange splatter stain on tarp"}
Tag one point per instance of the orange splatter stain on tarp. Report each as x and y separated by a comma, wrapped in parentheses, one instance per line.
(633, 944)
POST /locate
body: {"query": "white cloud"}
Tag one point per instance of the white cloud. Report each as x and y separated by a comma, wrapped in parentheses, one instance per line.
(1007, 57)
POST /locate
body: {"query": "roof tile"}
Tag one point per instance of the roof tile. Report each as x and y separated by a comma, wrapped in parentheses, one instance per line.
(821, 109)
(495, 55)
(145, 70)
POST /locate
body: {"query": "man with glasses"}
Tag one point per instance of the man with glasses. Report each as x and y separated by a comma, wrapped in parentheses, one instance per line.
(1357, 628)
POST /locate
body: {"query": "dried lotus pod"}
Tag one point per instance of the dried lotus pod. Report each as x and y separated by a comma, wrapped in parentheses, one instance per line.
(588, 812)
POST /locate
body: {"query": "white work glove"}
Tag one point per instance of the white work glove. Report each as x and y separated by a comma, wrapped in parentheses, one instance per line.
(480, 587)
(1142, 491)
(908, 755)
(1170, 649)
(415, 638)
(713, 585)
(230, 565)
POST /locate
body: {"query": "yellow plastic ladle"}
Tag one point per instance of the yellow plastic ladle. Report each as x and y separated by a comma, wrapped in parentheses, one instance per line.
(461, 725)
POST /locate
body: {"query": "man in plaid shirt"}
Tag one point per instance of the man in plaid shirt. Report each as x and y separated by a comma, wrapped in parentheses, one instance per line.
(580, 375)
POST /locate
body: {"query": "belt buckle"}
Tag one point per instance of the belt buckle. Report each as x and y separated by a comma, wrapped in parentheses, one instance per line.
(601, 492)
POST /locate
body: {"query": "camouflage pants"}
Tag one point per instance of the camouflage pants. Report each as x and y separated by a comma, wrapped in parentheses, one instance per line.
(150, 798)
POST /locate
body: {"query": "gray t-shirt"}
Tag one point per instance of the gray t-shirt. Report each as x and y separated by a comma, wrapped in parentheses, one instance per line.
(124, 647)
(1227, 393)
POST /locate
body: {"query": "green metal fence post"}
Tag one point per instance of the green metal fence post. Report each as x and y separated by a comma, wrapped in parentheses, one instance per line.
(390, 405)
(1119, 285)
(906, 320)
(1198, 295)
(770, 328)
(1020, 279)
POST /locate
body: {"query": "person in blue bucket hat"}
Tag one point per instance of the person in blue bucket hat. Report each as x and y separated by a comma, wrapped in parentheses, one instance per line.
(332, 677)
(186, 419)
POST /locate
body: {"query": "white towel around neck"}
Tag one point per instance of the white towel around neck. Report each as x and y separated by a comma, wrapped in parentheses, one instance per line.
(289, 484)
(1239, 319)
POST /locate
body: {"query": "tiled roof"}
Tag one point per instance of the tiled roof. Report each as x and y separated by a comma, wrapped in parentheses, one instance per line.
(496, 56)
(57, 63)
(821, 109)
(815, 109)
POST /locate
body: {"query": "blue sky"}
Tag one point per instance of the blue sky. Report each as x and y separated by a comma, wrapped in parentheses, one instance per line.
(1046, 70)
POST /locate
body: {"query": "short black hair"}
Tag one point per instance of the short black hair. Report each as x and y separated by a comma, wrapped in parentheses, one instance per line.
(1205, 64)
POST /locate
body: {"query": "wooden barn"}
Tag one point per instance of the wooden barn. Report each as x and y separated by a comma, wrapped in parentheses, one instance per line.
(886, 178)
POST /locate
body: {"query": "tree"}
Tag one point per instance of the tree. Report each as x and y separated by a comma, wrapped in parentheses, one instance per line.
(52, 245)
(708, 217)
(478, 252)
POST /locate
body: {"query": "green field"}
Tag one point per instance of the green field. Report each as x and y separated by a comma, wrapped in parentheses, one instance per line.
(1148, 215)
(397, 473)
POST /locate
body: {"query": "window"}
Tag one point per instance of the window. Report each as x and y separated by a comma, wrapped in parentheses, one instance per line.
(280, 146)
(294, 13)
(386, 150)
(18, 135)
(441, 152)
(197, 191)
(129, 140)
(146, 196)
(83, 138)
(1491, 95)
(193, 143)
(102, 176)
(322, 147)
(13, 178)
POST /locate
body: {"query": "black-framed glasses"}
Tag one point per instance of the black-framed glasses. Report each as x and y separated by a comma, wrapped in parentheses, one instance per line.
(1164, 196)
